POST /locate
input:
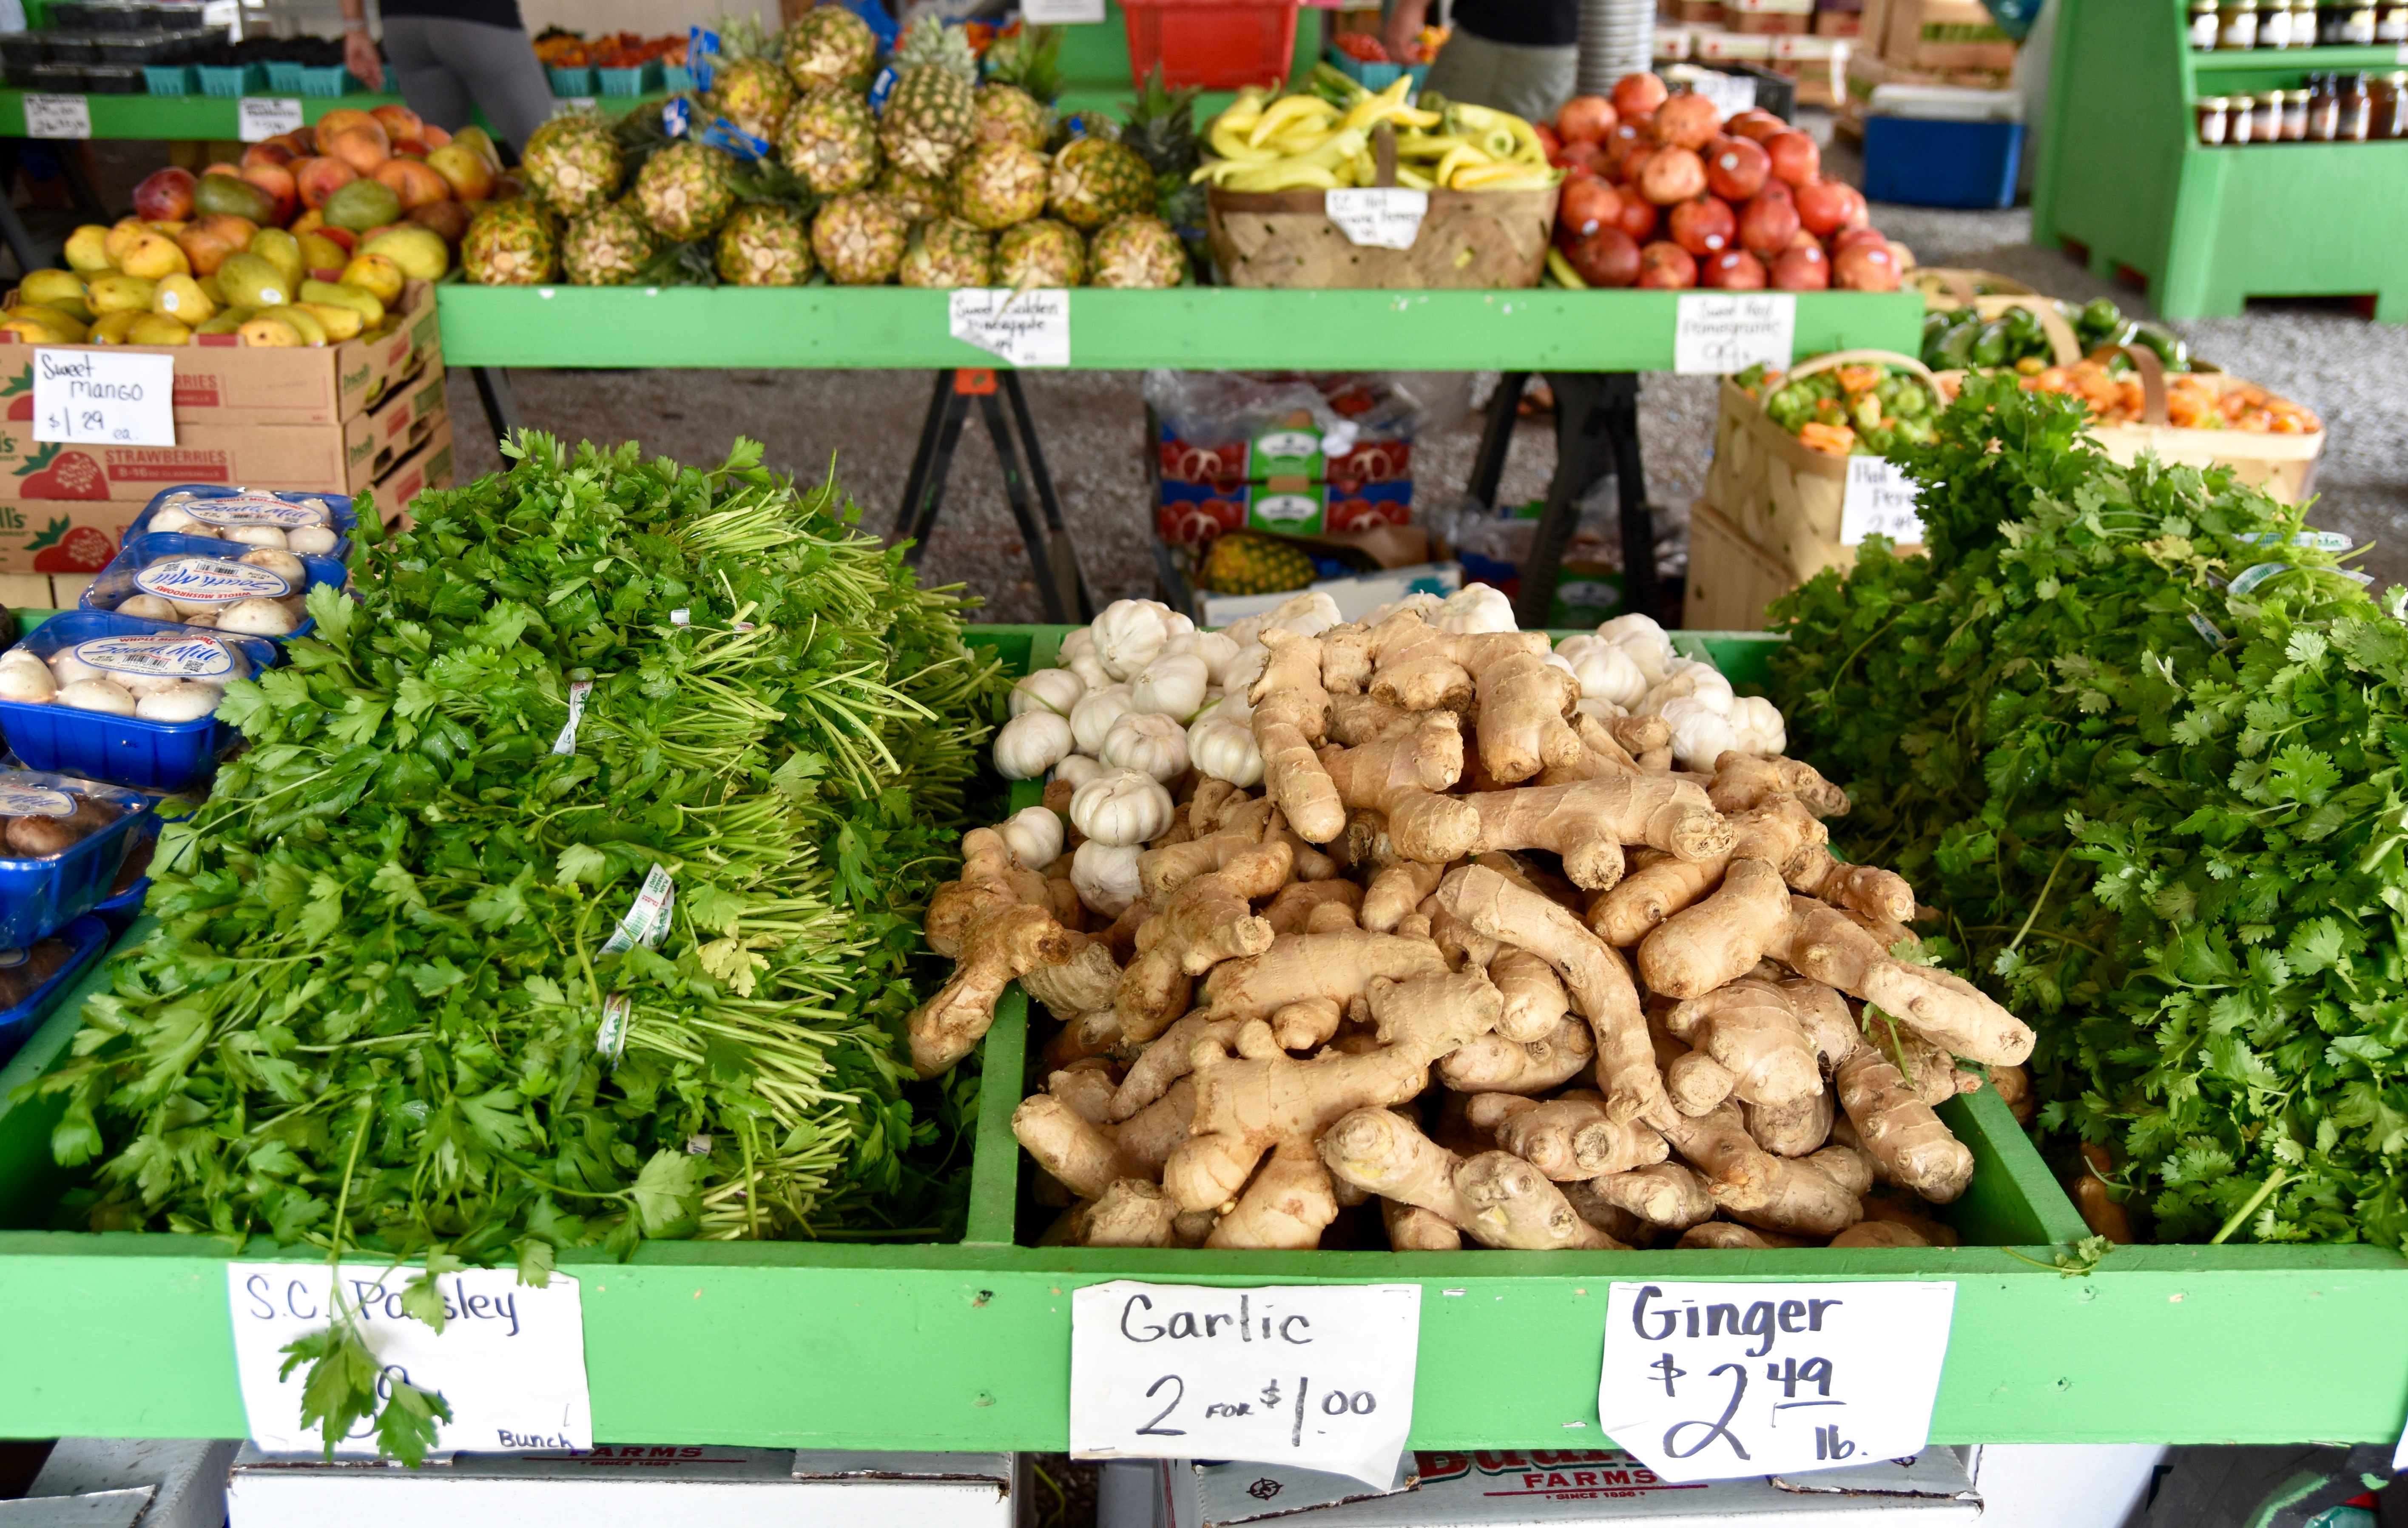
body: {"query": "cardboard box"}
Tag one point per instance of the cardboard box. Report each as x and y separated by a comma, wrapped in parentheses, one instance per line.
(428, 466)
(1771, 23)
(1674, 43)
(1838, 23)
(1193, 513)
(1945, 34)
(1733, 47)
(342, 458)
(230, 383)
(630, 1487)
(61, 536)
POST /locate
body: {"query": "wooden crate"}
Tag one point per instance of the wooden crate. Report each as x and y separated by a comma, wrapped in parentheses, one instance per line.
(1731, 579)
(1784, 498)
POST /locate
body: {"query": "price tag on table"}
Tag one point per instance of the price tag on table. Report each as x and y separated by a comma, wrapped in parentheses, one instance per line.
(1716, 334)
(263, 117)
(1880, 501)
(1714, 1381)
(1382, 217)
(1025, 328)
(1060, 12)
(58, 117)
(1317, 1377)
(509, 1360)
(113, 397)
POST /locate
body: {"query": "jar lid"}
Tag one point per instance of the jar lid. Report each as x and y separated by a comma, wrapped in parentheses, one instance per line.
(2216, 103)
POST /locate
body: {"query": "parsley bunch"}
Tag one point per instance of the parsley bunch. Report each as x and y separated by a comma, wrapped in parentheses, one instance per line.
(373, 1012)
(2142, 746)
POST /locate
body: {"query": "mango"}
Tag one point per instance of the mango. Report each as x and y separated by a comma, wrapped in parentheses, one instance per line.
(336, 293)
(120, 234)
(210, 288)
(280, 249)
(302, 322)
(419, 251)
(319, 252)
(113, 291)
(374, 274)
(229, 321)
(339, 323)
(151, 255)
(112, 328)
(275, 332)
(32, 331)
(250, 280)
(58, 289)
(363, 205)
(57, 319)
(87, 249)
(180, 297)
(158, 329)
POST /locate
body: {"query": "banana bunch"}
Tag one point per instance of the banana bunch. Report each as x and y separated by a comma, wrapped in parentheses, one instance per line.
(1322, 140)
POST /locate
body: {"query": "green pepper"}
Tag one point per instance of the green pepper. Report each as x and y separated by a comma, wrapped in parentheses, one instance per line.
(2168, 344)
(1956, 349)
(2099, 318)
(1991, 348)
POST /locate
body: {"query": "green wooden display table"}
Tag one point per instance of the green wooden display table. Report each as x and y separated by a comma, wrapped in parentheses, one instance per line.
(967, 1346)
(2123, 176)
(171, 118)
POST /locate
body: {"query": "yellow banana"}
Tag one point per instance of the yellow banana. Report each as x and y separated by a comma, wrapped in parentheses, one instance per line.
(1285, 110)
(1561, 269)
(1284, 176)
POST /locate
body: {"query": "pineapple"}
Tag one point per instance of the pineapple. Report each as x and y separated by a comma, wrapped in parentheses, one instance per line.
(573, 163)
(1162, 128)
(859, 238)
(914, 197)
(606, 247)
(1029, 60)
(1095, 180)
(1140, 250)
(1007, 114)
(927, 120)
(754, 95)
(1040, 253)
(1000, 184)
(1240, 563)
(684, 191)
(947, 251)
(511, 244)
(764, 244)
(830, 46)
(831, 140)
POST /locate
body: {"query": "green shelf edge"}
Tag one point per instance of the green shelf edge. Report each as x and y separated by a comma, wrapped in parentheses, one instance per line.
(1186, 327)
(217, 118)
(966, 1345)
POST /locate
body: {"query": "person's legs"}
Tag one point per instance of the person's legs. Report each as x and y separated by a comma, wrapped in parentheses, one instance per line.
(1532, 83)
(427, 86)
(1464, 69)
(498, 66)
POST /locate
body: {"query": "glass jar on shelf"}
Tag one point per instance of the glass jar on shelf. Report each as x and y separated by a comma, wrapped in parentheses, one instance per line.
(2391, 22)
(2324, 109)
(2303, 24)
(2212, 111)
(2358, 26)
(2240, 113)
(2393, 123)
(2356, 123)
(2203, 28)
(2266, 122)
(2294, 116)
(2236, 25)
(2274, 24)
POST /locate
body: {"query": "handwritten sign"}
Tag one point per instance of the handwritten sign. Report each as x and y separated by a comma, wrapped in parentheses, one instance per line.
(260, 118)
(1714, 1381)
(1382, 217)
(1879, 501)
(509, 1360)
(115, 397)
(1319, 1377)
(1716, 334)
(58, 117)
(1025, 328)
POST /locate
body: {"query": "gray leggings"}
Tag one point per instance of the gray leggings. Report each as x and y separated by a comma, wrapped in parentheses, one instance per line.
(444, 64)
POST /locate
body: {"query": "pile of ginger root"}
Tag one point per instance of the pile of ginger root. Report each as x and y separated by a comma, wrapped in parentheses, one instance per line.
(1484, 961)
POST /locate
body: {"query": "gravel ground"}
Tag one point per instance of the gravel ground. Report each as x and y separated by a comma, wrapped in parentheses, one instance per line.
(2350, 370)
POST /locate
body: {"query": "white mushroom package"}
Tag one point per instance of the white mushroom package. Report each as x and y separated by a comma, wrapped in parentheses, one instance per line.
(297, 523)
(152, 676)
(258, 593)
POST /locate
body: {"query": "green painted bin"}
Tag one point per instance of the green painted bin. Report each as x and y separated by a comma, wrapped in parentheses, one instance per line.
(966, 1345)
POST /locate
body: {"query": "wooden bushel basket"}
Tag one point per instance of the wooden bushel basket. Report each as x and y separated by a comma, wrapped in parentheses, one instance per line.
(1477, 240)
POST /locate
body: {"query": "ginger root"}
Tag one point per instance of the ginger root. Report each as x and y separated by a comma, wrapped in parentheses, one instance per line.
(1339, 964)
(1208, 920)
(1588, 822)
(1495, 1198)
(1898, 1130)
(1748, 1027)
(1400, 777)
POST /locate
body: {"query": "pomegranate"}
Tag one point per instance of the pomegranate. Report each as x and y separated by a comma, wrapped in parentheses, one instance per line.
(1859, 214)
(1687, 121)
(1704, 226)
(1608, 257)
(1588, 204)
(1621, 141)
(1855, 236)
(1822, 206)
(1584, 156)
(1865, 268)
(1795, 157)
(1802, 268)
(1672, 175)
(1755, 124)
(1735, 169)
(1586, 119)
(1667, 267)
(1548, 141)
(1637, 93)
(1634, 164)
(1768, 222)
(1734, 270)
(1638, 218)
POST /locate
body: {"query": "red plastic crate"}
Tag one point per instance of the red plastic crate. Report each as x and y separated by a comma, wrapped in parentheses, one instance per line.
(1215, 44)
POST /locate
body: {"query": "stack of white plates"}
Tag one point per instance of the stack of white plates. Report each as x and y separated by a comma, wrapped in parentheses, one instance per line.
(1616, 38)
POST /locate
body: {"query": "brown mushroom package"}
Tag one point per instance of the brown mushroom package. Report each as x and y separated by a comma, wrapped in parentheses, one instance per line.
(43, 816)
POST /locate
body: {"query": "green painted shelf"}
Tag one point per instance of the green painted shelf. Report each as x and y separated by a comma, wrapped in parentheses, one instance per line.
(211, 118)
(1188, 327)
(2296, 60)
(966, 1345)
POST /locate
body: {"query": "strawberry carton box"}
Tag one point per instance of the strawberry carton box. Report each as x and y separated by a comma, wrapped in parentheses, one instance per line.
(1192, 514)
(1286, 451)
(343, 459)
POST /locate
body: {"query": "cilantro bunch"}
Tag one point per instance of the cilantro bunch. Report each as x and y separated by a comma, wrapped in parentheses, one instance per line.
(383, 1009)
(2142, 745)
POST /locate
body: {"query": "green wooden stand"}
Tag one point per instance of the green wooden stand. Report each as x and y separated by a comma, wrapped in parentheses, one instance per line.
(2123, 176)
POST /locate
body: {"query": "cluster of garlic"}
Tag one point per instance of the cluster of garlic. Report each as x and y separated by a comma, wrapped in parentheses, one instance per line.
(174, 517)
(1629, 668)
(250, 617)
(68, 681)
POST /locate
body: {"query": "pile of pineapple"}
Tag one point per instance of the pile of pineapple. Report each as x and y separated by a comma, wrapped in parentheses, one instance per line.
(953, 182)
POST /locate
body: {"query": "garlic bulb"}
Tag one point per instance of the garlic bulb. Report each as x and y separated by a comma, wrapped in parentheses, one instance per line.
(1089, 667)
(1094, 716)
(1758, 724)
(1643, 640)
(1421, 602)
(1477, 607)
(1688, 677)
(1148, 742)
(1605, 671)
(1307, 614)
(1048, 689)
(1077, 769)
(1171, 686)
(1121, 806)
(1217, 650)
(178, 703)
(97, 695)
(1224, 748)
(1030, 743)
(1034, 835)
(1105, 876)
(1128, 634)
(1700, 733)
(1245, 668)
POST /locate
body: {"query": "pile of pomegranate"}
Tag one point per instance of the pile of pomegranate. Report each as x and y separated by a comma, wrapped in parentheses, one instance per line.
(1661, 191)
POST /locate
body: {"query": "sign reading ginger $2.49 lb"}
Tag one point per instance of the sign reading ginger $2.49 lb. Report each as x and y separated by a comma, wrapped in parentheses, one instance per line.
(1314, 1377)
(1714, 1381)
